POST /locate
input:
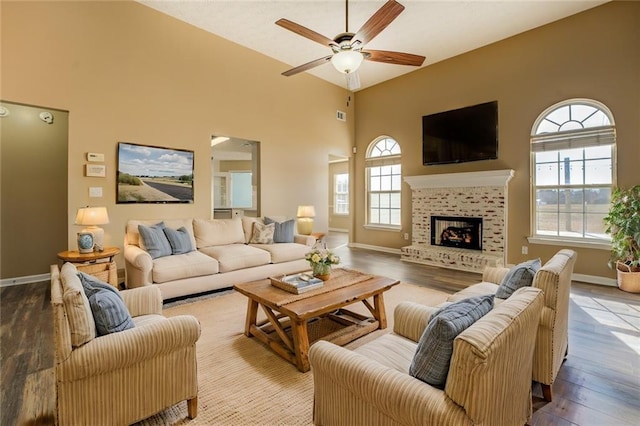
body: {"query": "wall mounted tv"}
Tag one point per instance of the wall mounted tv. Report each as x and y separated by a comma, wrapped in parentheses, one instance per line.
(461, 135)
(151, 174)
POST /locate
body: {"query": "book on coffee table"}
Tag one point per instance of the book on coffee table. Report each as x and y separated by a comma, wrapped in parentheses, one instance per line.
(298, 283)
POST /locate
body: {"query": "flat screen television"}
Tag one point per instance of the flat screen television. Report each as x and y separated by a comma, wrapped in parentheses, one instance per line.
(151, 174)
(461, 135)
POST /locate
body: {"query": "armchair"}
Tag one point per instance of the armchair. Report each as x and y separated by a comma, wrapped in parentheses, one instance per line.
(554, 278)
(122, 377)
(489, 380)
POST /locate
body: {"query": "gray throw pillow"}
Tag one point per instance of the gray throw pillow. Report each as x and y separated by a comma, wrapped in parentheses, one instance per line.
(520, 275)
(155, 240)
(433, 355)
(284, 230)
(179, 239)
(109, 311)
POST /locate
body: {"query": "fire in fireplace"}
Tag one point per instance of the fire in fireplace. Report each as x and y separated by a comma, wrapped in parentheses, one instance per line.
(455, 231)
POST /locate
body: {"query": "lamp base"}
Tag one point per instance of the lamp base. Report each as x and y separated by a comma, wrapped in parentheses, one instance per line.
(305, 225)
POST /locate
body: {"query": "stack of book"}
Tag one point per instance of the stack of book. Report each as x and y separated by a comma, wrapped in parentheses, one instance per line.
(298, 283)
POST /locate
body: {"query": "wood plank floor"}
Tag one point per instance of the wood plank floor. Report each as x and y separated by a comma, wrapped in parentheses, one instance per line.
(599, 384)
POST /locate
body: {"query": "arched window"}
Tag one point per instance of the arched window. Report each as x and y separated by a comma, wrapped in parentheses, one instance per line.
(384, 181)
(573, 171)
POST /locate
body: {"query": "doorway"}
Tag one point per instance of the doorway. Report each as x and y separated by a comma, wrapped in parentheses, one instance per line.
(339, 202)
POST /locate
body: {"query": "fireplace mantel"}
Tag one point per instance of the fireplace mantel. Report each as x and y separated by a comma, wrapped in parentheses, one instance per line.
(465, 180)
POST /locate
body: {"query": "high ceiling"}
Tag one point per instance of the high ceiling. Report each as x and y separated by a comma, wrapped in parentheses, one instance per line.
(435, 29)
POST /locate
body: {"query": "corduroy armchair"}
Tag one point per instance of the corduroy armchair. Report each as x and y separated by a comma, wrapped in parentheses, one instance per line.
(124, 377)
(489, 379)
(552, 342)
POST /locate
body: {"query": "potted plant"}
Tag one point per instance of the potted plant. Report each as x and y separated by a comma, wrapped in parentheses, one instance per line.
(623, 224)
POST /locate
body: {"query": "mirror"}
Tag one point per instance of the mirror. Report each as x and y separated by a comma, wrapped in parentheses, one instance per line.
(235, 177)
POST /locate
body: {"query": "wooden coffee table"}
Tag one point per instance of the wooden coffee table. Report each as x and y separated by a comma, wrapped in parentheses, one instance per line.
(286, 329)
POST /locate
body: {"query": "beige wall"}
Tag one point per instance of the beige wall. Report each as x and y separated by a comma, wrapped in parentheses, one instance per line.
(594, 55)
(128, 73)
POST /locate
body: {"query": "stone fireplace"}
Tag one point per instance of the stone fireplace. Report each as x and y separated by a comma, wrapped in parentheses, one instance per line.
(459, 220)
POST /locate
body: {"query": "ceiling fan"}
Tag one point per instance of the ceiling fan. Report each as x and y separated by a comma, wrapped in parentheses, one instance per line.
(348, 48)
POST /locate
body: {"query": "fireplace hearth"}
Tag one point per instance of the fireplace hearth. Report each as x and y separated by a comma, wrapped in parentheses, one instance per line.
(457, 231)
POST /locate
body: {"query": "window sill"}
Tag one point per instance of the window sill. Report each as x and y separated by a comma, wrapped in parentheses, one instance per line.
(568, 242)
(383, 228)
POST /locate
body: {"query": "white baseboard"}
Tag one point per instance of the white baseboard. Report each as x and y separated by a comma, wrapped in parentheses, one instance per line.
(375, 248)
(7, 282)
(593, 279)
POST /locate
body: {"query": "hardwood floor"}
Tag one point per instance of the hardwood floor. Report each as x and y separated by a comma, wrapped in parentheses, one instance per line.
(599, 384)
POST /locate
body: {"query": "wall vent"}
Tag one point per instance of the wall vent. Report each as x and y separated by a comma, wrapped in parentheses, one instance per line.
(342, 116)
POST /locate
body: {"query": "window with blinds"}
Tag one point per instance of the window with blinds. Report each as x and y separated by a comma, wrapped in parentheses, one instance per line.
(384, 182)
(572, 150)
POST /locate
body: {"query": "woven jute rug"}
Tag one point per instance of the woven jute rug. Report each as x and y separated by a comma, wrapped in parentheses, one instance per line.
(241, 381)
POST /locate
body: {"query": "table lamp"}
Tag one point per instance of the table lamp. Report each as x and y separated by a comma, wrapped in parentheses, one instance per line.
(305, 219)
(91, 217)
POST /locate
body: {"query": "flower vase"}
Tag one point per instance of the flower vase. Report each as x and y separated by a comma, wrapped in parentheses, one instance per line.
(321, 271)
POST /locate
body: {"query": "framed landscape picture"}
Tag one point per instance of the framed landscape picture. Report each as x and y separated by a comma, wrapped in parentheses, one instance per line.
(152, 174)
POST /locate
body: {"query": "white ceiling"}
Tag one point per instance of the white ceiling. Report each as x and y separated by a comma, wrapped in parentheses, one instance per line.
(435, 29)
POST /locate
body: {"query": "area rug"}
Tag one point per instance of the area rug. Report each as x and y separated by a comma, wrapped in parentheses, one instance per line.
(241, 381)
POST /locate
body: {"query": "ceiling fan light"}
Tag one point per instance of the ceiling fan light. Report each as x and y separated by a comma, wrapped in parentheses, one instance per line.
(347, 61)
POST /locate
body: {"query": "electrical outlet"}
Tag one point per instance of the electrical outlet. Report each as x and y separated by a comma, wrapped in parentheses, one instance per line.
(406, 235)
(525, 250)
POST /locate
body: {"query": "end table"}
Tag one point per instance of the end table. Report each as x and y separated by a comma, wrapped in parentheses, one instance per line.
(98, 263)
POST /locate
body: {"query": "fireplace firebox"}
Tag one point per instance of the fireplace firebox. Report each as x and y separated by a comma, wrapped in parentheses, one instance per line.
(455, 231)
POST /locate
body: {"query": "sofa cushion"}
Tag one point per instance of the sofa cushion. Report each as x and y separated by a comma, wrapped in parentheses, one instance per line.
(284, 252)
(284, 231)
(433, 353)
(479, 289)
(391, 350)
(217, 232)
(519, 276)
(192, 264)
(154, 240)
(132, 235)
(237, 256)
(262, 233)
(109, 311)
(179, 239)
(76, 304)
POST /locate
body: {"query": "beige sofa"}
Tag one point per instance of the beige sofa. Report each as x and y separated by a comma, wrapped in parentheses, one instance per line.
(554, 279)
(488, 383)
(224, 257)
(123, 377)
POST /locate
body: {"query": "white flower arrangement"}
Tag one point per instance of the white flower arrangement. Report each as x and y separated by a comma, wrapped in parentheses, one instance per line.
(321, 256)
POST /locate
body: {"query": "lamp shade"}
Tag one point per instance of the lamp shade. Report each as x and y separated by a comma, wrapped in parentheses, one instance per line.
(92, 216)
(347, 61)
(306, 211)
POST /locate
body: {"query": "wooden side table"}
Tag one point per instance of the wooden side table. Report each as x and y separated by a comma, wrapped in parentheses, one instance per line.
(100, 264)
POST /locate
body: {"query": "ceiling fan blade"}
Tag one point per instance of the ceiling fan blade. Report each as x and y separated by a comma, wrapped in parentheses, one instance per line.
(307, 66)
(305, 32)
(398, 58)
(378, 22)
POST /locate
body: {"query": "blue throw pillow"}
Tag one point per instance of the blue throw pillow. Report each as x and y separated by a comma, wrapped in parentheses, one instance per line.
(179, 239)
(520, 275)
(433, 355)
(109, 311)
(284, 230)
(154, 239)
